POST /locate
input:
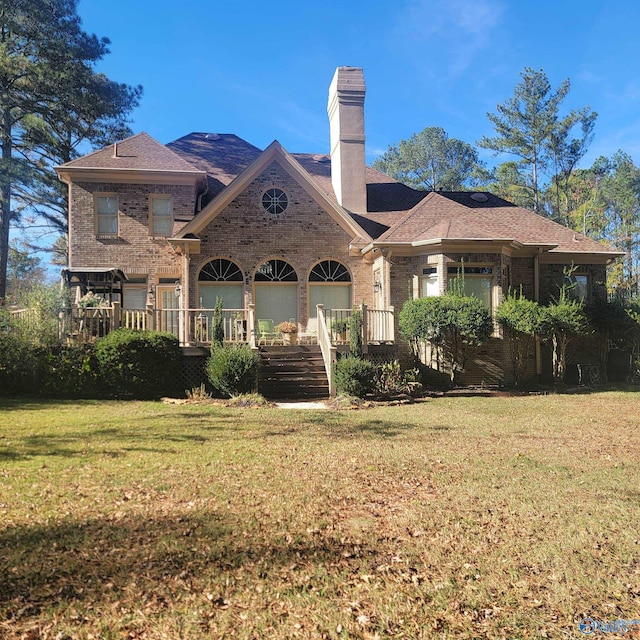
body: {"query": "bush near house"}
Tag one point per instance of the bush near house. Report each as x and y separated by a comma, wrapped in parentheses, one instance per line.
(139, 364)
(17, 362)
(355, 376)
(522, 320)
(452, 323)
(232, 369)
(563, 321)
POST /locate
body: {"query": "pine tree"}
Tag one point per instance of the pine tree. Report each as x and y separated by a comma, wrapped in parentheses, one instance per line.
(51, 101)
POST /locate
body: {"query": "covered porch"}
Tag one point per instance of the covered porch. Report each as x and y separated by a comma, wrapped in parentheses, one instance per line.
(195, 327)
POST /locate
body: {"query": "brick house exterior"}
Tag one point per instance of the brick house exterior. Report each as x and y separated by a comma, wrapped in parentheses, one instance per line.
(284, 231)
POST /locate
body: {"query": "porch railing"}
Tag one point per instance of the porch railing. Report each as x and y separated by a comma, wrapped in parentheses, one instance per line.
(196, 326)
(190, 326)
(328, 349)
(378, 325)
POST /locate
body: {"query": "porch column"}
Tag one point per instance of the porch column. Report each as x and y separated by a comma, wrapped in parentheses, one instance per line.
(185, 336)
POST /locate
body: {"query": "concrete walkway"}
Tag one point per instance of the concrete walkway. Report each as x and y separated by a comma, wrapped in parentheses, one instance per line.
(306, 404)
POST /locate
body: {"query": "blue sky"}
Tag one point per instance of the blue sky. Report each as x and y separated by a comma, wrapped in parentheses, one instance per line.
(262, 69)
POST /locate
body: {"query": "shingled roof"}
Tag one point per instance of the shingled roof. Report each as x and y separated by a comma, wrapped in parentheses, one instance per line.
(395, 213)
(224, 156)
(484, 216)
(140, 152)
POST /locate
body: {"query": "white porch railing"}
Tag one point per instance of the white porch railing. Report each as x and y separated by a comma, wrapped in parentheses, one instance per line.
(196, 326)
(378, 325)
(328, 349)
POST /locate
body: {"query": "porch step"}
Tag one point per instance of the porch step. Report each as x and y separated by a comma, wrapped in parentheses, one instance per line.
(292, 372)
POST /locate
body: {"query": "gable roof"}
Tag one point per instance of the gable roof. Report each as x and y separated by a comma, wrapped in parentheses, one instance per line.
(484, 216)
(396, 214)
(275, 153)
(140, 152)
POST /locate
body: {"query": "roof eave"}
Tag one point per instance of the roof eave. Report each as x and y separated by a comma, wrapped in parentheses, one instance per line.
(106, 174)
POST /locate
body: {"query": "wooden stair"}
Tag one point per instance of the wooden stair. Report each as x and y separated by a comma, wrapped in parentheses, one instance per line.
(292, 373)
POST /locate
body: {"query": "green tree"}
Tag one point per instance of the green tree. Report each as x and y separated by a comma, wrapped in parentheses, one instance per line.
(620, 194)
(453, 323)
(510, 182)
(24, 270)
(52, 101)
(431, 161)
(522, 320)
(563, 320)
(528, 126)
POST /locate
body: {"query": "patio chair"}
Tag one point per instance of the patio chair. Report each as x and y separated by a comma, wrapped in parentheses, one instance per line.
(266, 334)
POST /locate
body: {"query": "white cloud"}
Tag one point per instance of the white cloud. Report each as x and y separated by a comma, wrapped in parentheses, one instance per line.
(453, 31)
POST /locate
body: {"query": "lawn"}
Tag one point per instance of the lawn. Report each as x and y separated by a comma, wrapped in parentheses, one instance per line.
(477, 517)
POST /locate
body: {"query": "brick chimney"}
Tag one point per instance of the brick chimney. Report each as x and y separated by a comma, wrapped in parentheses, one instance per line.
(346, 125)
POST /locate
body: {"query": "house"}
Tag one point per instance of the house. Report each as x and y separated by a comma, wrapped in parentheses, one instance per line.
(169, 229)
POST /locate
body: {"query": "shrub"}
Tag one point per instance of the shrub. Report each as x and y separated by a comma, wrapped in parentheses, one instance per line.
(18, 362)
(218, 324)
(452, 323)
(233, 369)
(139, 364)
(563, 321)
(355, 376)
(69, 372)
(390, 380)
(522, 320)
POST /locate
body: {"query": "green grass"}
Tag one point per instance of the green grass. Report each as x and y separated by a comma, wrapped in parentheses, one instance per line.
(450, 518)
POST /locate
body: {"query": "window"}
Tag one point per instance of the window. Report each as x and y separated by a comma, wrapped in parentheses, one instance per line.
(577, 286)
(429, 285)
(220, 279)
(106, 207)
(276, 291)
(135, 293)
(161, 212)
(477, 281)
(275, 201)
(330, 285)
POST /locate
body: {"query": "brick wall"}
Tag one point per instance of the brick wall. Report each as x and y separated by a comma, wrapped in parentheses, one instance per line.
(134, 250)
(303, 235)
(551, 277)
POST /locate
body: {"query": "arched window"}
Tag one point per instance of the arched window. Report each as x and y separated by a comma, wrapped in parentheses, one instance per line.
(329, 271)
(220, 279)
(276, 291)
(276, 271)
(330, 285)
(220, 270)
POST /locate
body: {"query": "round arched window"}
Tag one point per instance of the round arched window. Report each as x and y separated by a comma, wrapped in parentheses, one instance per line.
(275, 201)
(276, 271)
(329, 271)
(220, 279)
(330, 285)
(220, 270)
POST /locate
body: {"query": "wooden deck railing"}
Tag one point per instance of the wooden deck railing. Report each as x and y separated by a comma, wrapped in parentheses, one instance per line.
(196, 326)
(378, 325)
(328, 349)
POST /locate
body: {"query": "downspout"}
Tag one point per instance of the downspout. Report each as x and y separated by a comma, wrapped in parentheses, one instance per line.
(536, 296)
(204, 193)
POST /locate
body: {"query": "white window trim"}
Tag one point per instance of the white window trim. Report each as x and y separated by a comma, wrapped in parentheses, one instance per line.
(153, 197)
(103, 234)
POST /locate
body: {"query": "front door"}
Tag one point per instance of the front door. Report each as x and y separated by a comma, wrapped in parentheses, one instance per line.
(168, 305)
